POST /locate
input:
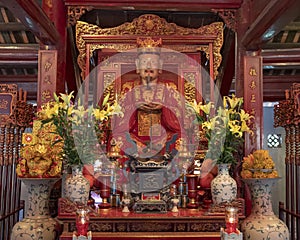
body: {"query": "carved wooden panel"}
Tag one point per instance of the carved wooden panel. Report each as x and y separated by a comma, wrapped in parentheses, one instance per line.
(8, 99)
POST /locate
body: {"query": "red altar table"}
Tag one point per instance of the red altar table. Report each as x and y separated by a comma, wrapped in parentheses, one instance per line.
(148, 236)
(114, 224)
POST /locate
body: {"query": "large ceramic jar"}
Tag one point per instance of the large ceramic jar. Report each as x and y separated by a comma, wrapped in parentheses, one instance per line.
(37, 223)
(77, 187)
(262, 223)
(223, 186)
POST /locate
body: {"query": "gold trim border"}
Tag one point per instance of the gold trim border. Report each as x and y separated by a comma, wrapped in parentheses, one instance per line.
(123, 37)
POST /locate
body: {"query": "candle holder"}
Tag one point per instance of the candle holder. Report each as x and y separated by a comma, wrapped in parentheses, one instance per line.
(231, 219)
(192, 191)
(104, 182)
(126, 202)
(175, 202)
(82, 221)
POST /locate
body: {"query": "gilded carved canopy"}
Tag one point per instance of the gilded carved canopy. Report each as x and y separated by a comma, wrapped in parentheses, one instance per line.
(206, 39)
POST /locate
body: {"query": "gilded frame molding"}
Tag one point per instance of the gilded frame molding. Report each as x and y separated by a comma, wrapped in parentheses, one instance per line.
(208, 39)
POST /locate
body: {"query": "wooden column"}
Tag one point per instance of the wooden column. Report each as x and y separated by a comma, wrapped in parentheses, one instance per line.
(57, 13)
(253, 100)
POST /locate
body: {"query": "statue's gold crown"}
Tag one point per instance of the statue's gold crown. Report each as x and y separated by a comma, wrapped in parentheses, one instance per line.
(149, 45)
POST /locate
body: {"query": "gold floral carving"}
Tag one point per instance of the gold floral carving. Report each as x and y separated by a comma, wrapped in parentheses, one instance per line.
(7, 91)
(121, 227)
(181, 227)
(210, 226)
(189, 86)
(150, 25)
(229, 17)
(74, 13)
(101, 227)
(151, 227)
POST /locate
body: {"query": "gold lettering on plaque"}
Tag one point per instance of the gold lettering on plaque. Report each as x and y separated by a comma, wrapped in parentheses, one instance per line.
(47, 79)
(253, 112)
(253, 99)
(252, 71)
(252, 85)
(46, 95)
(47, 66)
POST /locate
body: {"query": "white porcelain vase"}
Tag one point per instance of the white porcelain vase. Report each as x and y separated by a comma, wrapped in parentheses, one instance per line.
(262, 223)
(223, 186)
(37, 223)
(77, 187)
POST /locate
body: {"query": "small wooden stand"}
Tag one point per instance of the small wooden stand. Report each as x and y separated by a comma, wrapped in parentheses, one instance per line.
(89, 236)
(231, 236)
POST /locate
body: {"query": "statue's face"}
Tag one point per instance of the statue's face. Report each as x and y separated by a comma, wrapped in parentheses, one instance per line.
(149, 65)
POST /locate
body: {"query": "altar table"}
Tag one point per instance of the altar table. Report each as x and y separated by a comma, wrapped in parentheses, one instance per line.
(114, 224)
(148, 236)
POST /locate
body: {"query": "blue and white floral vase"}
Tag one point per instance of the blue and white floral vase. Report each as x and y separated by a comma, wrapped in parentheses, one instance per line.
(37, 223)
(223, 186)
(77, 187)
(262, 223)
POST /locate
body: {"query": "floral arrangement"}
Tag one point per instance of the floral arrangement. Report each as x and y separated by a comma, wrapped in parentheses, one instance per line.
(225, 129)
(77, 125)
(259, 164)
(40, 158)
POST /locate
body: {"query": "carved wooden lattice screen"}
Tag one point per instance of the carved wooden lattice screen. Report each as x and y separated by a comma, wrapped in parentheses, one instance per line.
(15, 116)
(287, 115)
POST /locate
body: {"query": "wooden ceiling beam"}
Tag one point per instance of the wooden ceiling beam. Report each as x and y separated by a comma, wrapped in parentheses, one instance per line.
(274, 86)
(12, 26)
(272, 19)
(281, 56)
(34, 18)
(11, 55)
(281, 46)
(18, 78)
(171, 5)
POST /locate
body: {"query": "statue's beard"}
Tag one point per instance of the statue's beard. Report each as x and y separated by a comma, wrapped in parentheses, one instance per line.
(148, 80)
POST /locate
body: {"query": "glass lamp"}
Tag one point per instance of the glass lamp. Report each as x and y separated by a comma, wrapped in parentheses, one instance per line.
(231, 219)
(82, 221)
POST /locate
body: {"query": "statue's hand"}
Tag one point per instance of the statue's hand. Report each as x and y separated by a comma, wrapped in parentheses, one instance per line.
(150, 106)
